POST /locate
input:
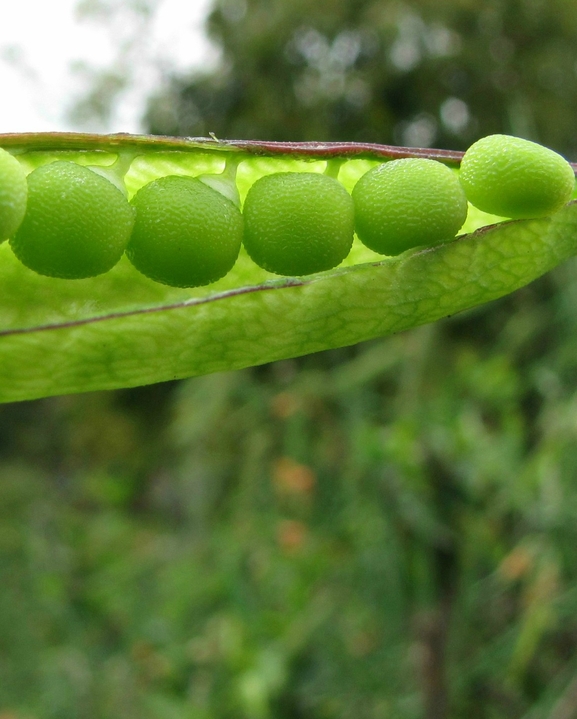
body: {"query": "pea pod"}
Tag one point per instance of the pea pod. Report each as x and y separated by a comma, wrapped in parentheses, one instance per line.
(122, 329)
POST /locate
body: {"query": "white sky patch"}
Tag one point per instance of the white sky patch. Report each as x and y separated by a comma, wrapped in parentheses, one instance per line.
(41, 43)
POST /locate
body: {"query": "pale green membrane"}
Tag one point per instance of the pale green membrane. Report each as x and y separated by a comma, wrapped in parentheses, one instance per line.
(13, 193)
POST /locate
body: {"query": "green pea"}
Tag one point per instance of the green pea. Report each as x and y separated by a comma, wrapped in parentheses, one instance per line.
(408, 203)
(298, 223)
(515, 178)
(13, 192)
(77, 223)
(186, 234)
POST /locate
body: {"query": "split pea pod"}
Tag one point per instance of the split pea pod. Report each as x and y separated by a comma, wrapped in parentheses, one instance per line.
(123, 327)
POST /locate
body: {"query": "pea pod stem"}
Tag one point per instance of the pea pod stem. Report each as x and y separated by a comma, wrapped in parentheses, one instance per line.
(333, 167)
(225, 181)
(62, 141)
(116, 172)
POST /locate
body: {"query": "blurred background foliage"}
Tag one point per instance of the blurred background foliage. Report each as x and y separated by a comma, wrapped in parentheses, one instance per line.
(382, 531)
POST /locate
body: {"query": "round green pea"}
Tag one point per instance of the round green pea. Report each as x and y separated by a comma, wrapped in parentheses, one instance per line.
(77, 223)
(298, 223)
(408, 203)
(13, 192)
(515, 178)
(186, 234)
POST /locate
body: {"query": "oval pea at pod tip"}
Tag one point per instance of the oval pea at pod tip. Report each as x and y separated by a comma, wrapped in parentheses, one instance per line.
(516, 178)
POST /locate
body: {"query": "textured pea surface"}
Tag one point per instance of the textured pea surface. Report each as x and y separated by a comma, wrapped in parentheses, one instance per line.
(407, 203)
(186, 234)
(515, 178)
(297, 223)
(13, 192)
(77, 223)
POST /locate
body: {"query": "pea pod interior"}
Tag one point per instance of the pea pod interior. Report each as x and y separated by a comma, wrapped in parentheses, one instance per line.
(121, 329)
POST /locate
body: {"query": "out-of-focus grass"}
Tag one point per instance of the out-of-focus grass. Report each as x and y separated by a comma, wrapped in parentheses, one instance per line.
(265, 543)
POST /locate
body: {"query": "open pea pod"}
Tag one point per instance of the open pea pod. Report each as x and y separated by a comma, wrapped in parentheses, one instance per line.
(121, 329)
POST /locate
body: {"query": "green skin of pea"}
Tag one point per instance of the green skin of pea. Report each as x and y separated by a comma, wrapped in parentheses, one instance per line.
(13, 194)
(186, 234)
(512, 177)
(408, 203)
(298, 223)
(77, 223)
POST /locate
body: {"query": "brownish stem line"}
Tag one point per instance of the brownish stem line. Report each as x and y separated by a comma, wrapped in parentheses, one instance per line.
(435, 629)
(62, 141)
(433, 636)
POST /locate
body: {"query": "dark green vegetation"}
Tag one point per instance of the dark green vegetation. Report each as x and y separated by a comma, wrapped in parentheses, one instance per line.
(407, 203)
(366, 533)
(298, 223)
(186, 234)
(77, 223)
